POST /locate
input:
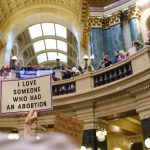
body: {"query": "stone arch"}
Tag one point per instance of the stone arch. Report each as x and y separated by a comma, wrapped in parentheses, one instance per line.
(26, 17)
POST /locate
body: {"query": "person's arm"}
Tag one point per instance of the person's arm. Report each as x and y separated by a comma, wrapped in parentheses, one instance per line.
(31, 117)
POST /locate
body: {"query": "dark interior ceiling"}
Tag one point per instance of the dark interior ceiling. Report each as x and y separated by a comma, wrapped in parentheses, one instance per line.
(101, 3)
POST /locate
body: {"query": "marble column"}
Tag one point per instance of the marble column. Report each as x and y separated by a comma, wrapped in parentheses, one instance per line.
(144, 113)
(90, 140)
(146, 127)
(134, 23)
(96, 40)
(116, 34)
(97, 46)
(116, 39)
(107, 44)
(106, 36)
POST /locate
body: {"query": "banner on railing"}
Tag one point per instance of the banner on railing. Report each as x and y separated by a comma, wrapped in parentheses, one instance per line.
(26, 94)
(5, 75)
(33, 73)
(72, 127)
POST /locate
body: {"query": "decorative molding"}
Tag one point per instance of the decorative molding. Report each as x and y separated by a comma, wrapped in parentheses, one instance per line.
(110, 99)
(9, 7)
(144, 112)
(84, 20)
(134, 12)
(141, 91)
(115, 18)
(105, 22)
(95, 22)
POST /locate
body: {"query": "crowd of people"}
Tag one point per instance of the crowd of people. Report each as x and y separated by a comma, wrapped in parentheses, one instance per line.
(68, 72)
(52, 141)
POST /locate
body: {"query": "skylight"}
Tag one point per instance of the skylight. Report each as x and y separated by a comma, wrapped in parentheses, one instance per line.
(50, 43)
(61, 31)
(48, 29)
(35, 31)
(52, 55)
(62, 57)
(53, 45)
(62, 45)
(42, 58)
(39, 46)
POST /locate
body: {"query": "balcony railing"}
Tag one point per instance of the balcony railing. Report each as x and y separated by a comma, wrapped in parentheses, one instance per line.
(82, 83)
(112, 74)
(64, 88)
(90, 81)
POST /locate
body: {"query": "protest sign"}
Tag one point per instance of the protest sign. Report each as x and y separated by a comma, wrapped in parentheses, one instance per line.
(70, 126)
(33, 73)
(26, 95)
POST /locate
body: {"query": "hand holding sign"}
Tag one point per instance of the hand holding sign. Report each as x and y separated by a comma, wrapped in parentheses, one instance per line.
(32, 116)
(25, 95)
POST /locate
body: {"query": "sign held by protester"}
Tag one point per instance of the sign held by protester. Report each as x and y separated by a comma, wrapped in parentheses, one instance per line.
(26, 94)
(70, 126)
(33, 73)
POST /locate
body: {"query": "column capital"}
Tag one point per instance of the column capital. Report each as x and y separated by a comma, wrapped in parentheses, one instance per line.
(115, 18)
(134, 12)
(144, 112)
(95, 22)
(105, 23)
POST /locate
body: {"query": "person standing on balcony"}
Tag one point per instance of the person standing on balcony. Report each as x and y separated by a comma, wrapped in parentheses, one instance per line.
(137, 45)
(105, 63)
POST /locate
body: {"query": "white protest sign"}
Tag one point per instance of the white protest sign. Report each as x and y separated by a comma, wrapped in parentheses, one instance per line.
(26, 94)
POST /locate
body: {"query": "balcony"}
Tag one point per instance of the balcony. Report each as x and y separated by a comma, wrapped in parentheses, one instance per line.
(115, 90)
(118, 77)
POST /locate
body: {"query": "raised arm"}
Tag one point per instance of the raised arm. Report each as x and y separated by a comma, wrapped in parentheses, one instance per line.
(31, 117)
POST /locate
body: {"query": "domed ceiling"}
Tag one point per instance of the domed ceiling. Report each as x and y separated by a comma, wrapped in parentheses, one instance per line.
(101, 3)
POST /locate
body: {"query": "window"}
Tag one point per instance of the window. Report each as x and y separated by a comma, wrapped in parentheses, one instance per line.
(62, 45)
(48, 29)
(50, 44)
(51, 29)
(62, 57)
(42, 58)
(35, 31)
(52, 55)
(39, 46)
(61, 31)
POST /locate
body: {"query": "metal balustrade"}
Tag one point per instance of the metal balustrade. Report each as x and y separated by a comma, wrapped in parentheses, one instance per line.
(65, 88)
(112, 74)
(99, 79)
(133, 65)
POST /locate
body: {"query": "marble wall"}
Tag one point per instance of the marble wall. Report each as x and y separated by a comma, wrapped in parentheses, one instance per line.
(117, 38)
(126, 34)
(106, 41)
(134, 24)
(97, 45)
